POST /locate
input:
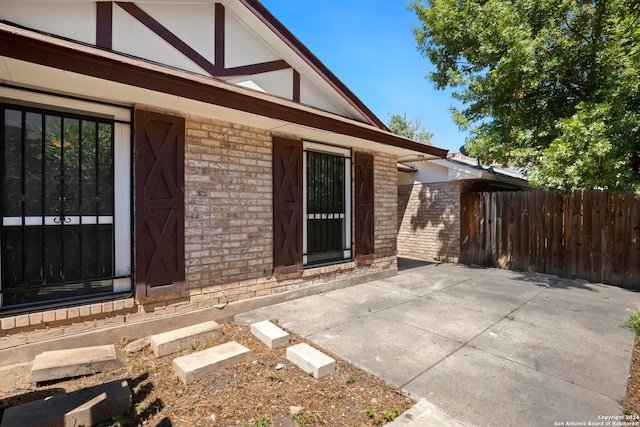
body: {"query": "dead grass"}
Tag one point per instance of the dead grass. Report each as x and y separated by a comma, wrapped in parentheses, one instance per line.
(260, 393)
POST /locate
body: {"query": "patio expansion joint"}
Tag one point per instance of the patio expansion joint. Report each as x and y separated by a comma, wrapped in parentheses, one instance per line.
(467, 343)
(524, 365)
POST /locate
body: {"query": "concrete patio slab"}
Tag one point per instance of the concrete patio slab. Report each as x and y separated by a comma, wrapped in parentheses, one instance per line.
(561, 354)
(420, 285)
(393, 351)
(594, 319)
(447, 320)
(477, 387)
(370, 297)
(425, 413)
(487, 347)
(319, 311)
(487, 296)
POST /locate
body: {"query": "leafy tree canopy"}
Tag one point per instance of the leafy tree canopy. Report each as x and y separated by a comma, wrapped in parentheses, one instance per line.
(412, 129)
(552, 86)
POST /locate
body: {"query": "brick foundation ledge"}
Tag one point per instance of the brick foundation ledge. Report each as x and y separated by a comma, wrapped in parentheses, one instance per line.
(21, 348)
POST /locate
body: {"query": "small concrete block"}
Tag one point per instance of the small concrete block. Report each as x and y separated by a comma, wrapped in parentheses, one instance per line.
(137, 345)
(311, 360)
(53, 365)
(73, 312)
(61, 314)
(12, 377)
(196, 365)
(107, 307)
(89, 406)
(22, 321)
(49, 316)
(35, 319)
(8, 323)
(181, 339)
(269, 334)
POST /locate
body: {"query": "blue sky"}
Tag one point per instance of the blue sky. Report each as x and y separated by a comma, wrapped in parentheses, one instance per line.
(369, 45)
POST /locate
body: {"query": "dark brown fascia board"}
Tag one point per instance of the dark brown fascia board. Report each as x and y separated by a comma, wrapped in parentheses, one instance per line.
(292, 41)
(406, 168)
(88, 61)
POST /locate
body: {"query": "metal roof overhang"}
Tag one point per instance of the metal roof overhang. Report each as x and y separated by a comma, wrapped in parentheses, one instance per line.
(33, 60)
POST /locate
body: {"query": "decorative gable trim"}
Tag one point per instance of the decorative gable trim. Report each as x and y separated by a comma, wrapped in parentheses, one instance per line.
(29, 46)
(104, 24)
(296, 45)
(104, 39)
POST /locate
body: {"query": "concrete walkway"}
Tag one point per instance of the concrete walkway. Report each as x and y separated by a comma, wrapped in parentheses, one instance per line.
(478, 347)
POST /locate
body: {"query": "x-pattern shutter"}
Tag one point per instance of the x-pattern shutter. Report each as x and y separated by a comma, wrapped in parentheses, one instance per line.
(364, 206)
(159, 203)
(287, 206)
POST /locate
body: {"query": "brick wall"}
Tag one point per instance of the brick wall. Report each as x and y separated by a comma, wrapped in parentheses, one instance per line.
(228, 236)
(228, 195)
(386, 202)
(429, 221)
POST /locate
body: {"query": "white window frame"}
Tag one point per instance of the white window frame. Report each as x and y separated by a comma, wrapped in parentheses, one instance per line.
(122, 174)
(346, 154)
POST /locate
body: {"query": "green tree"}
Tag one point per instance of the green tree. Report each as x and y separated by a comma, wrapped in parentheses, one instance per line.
(412, 129)
(552, 86)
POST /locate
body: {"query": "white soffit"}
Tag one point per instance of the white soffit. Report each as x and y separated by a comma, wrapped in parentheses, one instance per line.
(460, 170)
(276, 83)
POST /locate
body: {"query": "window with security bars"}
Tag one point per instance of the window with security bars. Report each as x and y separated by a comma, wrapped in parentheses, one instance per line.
(327, 233)
(57, 192)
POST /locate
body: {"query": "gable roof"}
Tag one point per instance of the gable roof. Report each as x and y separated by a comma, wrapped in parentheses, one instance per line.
(237, 41)
(42, 61)
(305, 53)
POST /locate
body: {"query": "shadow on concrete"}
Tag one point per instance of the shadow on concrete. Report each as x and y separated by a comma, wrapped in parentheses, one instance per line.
(558, 282)
(408, 263)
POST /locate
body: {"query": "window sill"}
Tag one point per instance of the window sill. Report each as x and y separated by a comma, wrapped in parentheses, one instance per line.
(327, 268)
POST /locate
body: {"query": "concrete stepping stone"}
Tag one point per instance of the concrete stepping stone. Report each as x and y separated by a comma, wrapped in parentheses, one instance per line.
(311, 360)
(137, 345)
(89, 406)
(270, 334)
(197, 365)
(181, 339)
(58, 364)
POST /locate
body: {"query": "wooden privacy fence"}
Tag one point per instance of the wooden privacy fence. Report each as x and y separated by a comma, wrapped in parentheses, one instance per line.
(591, 235)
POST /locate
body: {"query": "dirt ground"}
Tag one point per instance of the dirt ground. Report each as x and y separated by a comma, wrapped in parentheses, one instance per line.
(259, 393)
(632, 401)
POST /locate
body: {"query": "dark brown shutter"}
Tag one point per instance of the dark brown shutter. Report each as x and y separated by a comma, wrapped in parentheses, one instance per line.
(159, 203)
(364, 206)
(287, 206)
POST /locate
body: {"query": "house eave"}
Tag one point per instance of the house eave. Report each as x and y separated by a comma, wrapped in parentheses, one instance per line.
(292, 41)
(35, 48)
